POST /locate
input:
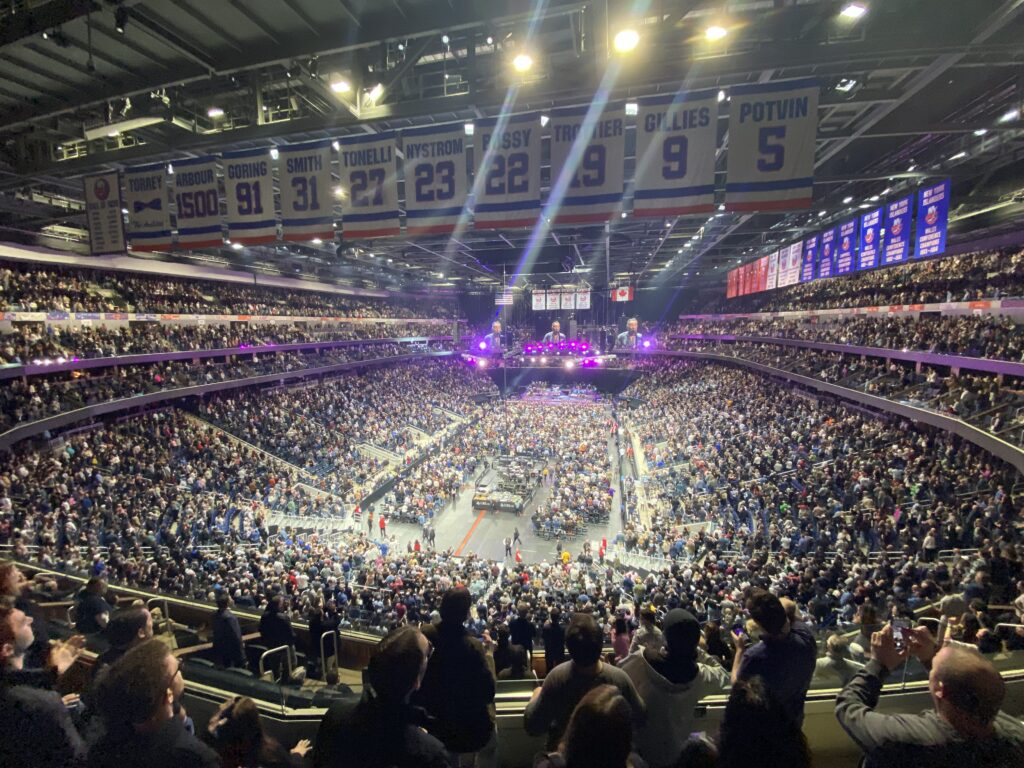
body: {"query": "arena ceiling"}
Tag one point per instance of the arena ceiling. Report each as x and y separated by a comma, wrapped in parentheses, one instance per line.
(912, 89)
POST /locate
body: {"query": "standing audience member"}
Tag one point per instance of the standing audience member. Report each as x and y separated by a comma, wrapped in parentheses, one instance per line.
(835, 668)
(671, 682)
(599, 734)
(236, 732)
(521, 629)
(382, 729)
(622, 638)
(276, 630)
(553, 702)
(648, 635)
(458, 688)
(784, 658)
(35, 728)
(138, 700)
(520, 668)
(758, 731)
(554, 639)
(92, 611)
(228, 648)
(966, 726)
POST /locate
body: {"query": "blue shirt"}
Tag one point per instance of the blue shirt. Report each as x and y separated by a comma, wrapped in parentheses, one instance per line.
(786, 666)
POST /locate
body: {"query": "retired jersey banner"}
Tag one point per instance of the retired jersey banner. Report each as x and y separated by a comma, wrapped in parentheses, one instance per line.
(539, 301)
(870, 239)
(773, 128)
(568, 300)
(932, 220)
(507, 186)
(809, 258)
(897, 232)
(773, 272)
(676, 140)
(307, 193)
(845, 248)
(103, 213)
(249, 189)
(789, 265)
(149, 210)
(827, 259)
(582, 299)
(197, 202)
(590, 159)
(436, 185)
(554, 300)
(369, 185)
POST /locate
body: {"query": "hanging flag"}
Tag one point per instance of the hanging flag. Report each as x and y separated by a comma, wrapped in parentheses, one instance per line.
(503, 298)
(932, 220)
(870, 239)
(368, 185)
(307, 194)
(103, 214)
(809, 259)
(845, 263)
(197, 203)
(587, 162)
(897, 232)
(435, 178)
(622, 294)
(773, 130)
(507, 187)
(149, 209)
(554, 300)
(676, 142)
(773, 272)
(539, 300)
(568, 300)
(827, 260)
(249, 189)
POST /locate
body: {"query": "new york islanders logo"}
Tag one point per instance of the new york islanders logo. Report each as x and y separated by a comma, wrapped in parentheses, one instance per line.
(828, 250)
(931, 216)
(846, 243)
(896, 227)
(869, 236)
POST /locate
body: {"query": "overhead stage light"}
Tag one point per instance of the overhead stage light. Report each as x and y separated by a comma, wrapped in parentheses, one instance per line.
(721, 95)
(522, 62)
(847, 200)
(215, 112)
(853, 11)
(626, 40)
(715, 32)
(632, 108)
(237, 246)
(340, 85)
(274, 153)
(120, 19)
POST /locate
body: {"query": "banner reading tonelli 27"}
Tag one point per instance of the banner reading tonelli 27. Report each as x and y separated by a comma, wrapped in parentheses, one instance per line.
(369, 185)
(249, 189)
(897, 232)
(507, 185)
(307, 194)
(149, 209)
(103, 213)
(587, 160)
(845, 248)
(932, 220)
(870, 239)
(435, 178)
(772, 132)
(809, 259)
(676, 139)
(197, 203)
(827, 260)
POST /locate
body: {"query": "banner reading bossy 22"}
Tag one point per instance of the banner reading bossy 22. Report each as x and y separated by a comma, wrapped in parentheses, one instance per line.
(773, 128)
(507, 185)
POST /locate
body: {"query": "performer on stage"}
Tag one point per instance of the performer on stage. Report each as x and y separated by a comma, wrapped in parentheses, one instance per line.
(629, 338)
(493, 339)
(555, 334)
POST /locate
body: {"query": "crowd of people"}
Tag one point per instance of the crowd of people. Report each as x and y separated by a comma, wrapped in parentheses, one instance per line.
(33, 287)
(36, 343)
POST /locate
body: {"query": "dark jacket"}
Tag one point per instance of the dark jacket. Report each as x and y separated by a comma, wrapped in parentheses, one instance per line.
(463, 721)
(919, 740)
(35, 728)
(554, 644)
(276, 630)
(786, 665)
(89, 608)
(170, 746)
(368, 734)
(228, 650)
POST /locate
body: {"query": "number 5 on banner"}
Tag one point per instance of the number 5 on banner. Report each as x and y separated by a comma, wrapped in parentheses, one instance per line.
(773, 155)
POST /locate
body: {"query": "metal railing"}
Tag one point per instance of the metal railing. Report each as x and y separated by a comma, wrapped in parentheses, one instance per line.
(289, 660)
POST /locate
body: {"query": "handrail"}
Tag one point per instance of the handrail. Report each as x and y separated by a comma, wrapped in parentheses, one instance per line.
(288, 658)
(162, 601)
(323, 654)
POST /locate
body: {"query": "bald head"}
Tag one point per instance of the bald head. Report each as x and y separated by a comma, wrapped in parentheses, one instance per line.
(963, 679)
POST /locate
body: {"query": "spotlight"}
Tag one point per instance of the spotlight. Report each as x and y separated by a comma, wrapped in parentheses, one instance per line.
(336, 144)
(482, 345)
(647, 344)
(120, 19)
(1010, 116)
(482, 363)
(445, 39)
(274, 153)
(569, 364)
(847, 200)
(543, 361)
(468, 128)
(490, 40)
(544, 121)
(632, 108)
(981, 132)
(522, 62)
(721, 95)
(316, 241)
(853, 11)
(215, 112)
(237, 246)
(170, 168)
(626, 40)
(376, 92)
(715, 32)
(340, 85)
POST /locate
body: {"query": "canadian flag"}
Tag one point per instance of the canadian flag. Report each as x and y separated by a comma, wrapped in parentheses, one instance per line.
(622, 294)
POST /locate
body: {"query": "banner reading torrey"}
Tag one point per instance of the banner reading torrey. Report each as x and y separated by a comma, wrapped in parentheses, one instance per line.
(149, 210)
(507, 185)
(773, 129)
(249, 190)
(587, 162)
(369, 185)
(676, 139)
(197, 203)
(103, 213)
(307, 197)
(435, 178)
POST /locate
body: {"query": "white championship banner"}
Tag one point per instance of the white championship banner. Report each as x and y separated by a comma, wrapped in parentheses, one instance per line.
(773, 272)
(553, 300)
(507, 186)
(568, 300)
(587, 161)
(436, 183)
(676, 139)
(197, 203)
(793, 265)
(538, 301)
(369, 185)
(249, 190)
(307, 194)
(103, 213)
(583, 299)
(149, 209)
(773, 128)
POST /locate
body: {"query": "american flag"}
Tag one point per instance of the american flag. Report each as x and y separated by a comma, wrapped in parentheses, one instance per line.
(503, 298)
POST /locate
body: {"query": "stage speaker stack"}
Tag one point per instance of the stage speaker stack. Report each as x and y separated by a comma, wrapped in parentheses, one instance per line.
(572, 329)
